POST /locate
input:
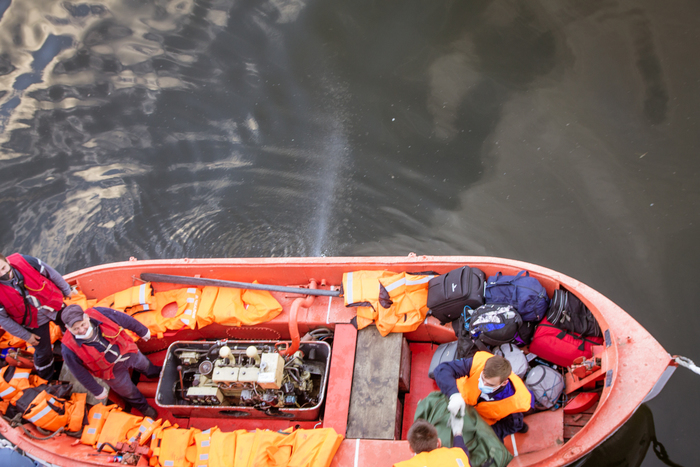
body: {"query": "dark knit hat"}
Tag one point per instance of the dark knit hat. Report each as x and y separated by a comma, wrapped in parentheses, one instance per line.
(72, 314)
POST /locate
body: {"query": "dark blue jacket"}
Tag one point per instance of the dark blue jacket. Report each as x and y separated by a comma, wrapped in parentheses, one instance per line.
(75, 365)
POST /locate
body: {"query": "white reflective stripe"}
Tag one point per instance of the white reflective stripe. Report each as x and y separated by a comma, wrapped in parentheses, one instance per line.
(203, 457)
(208, 430)
(396, 284)
(7, 391)
(39, 368)
(185, 320)
(52, 400)
(142, 429)
(21, 376)
(406, 281)
(188, 312)
(169, 463)
(419, 281)
(92, 431)
(142, 294)
(40, 415)
(190, 299)
(97, 416)
(515, 447)
(205, 443)
(132, 439)
(348, 293)
(145, 307)
(192, 290)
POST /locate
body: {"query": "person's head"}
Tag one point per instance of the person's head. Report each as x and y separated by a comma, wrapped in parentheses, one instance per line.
(76, 321)
(423, 437)
(6, 272)
(496, 372)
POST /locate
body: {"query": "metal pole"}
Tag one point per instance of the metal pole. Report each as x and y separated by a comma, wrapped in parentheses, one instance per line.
(154, 277)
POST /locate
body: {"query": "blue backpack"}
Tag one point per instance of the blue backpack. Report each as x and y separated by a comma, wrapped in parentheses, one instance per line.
(522, 292)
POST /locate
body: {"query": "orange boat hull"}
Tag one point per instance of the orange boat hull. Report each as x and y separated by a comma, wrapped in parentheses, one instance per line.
(633, 360)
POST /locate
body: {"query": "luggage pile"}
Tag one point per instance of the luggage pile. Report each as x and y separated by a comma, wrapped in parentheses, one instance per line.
(188, 307)
(111, 430)
(514, 316)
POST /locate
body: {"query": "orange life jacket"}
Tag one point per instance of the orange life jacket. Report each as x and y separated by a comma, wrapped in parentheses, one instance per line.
(319, 444)
(115, 428)
(187, 301)
(136, 298)
(492, 411)
(97, 416)
(222, 451)
(20, 378)
(51, 413)
(14, 380)
(440, 457)
(155, 442)
(407, 298)
(79, 298)
(93, 359)
(361, 290)
(241, 307)
(143, 431)
(202, 441)
(173, 446)
(36, 285)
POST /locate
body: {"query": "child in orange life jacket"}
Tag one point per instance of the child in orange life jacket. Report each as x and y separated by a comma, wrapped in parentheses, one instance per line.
(487, 383)
(427, 448)
(96, 345)
(31, 296)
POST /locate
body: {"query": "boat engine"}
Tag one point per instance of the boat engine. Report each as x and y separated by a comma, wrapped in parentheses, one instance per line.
(225, 374)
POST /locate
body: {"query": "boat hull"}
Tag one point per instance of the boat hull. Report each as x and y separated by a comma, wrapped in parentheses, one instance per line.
(633, 360)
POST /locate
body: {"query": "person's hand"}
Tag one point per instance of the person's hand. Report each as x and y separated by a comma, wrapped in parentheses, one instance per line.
(457, 424)
(457, 406)
(73, 291)
(103, 395)
(147, 336)
(34, 340)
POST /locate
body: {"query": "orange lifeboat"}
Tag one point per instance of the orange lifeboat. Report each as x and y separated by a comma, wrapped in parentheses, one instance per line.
(633, 365)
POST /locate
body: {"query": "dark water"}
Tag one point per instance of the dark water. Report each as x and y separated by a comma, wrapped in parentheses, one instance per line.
(562, 133)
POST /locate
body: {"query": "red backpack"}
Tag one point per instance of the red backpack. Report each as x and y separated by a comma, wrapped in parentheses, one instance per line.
(559, 346)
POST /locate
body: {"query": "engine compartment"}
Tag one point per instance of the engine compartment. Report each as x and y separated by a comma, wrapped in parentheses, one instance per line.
(244, 378)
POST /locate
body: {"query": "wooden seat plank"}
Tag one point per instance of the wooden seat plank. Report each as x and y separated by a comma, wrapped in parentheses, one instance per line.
(375, 386)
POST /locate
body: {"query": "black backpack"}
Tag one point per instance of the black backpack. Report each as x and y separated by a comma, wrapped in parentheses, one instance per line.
(493, 325)
(449, 293)
(569, 313)
(465, 345)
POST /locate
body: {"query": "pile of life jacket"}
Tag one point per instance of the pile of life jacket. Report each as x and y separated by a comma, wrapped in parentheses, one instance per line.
(188, 307)
(173, 446)
(395, 302)
(40, 403)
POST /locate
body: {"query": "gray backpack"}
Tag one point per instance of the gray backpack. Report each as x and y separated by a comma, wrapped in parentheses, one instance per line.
(516, 357)
(546, 384)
